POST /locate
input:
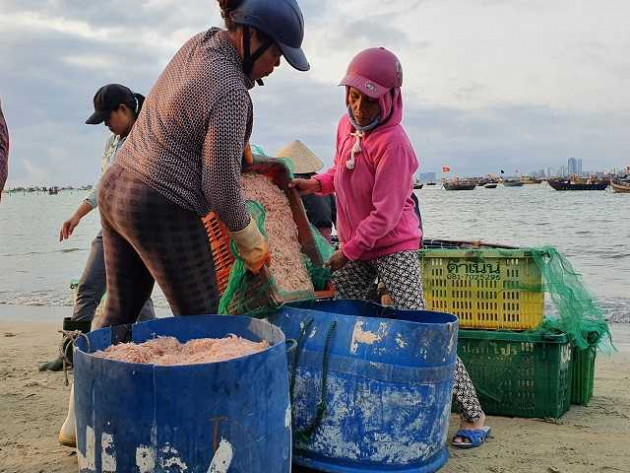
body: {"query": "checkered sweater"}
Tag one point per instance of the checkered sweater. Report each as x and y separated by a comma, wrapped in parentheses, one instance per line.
(4, 151)
(188, 141)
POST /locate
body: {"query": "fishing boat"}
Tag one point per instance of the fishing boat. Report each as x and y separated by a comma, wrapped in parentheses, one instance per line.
(491, 185)
(569, 185)
(417, 185)
(528, 180)
(431, 183)
(512, 183)
(459, 185)
(620, 184)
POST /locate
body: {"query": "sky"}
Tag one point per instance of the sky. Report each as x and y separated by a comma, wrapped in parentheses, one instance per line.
(518, 85)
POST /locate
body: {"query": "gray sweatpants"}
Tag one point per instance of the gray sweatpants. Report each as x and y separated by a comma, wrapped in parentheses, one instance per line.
(93, 284)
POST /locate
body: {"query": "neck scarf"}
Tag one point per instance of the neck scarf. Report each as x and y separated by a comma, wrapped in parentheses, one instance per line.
(358, 134)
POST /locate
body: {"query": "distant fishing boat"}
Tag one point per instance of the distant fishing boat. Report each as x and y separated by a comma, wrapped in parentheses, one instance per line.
(568, 185)
(512, 183)
(417, 185)
(528, 180)
(459, 185)
(620, 185)
(431, 183)
(491, 185)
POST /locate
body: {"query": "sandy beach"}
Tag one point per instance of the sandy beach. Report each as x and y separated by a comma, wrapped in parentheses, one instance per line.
(587, 439)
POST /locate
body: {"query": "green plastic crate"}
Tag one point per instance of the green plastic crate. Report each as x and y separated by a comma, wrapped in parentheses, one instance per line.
(518, 374)
(583, 375)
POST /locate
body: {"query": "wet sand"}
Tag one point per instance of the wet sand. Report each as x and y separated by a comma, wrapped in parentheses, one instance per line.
(587, 439)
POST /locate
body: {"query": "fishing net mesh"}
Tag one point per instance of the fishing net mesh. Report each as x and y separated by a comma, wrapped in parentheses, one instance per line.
(246, 293)
(320, 275)
(577, 312)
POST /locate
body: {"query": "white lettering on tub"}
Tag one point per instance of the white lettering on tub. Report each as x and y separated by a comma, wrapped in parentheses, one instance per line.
(222, 458)
(145, 459)
(170, 459)
(108, 453)
(287, 417)
(87, 462)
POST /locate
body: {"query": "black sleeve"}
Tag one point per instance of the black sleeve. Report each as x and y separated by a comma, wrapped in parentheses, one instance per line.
(333, 209)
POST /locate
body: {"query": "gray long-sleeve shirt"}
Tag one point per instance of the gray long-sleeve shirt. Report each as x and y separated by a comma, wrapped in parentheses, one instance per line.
(112, 146)
(188, 141)
(4, 151)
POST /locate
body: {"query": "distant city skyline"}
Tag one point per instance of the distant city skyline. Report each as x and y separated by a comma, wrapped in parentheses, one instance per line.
(573, 166)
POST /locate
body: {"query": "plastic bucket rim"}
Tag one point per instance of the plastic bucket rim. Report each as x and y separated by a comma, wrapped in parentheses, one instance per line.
(302, 305)
(78, 350)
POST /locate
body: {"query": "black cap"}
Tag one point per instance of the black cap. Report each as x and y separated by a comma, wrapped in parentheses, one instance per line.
(107, 99)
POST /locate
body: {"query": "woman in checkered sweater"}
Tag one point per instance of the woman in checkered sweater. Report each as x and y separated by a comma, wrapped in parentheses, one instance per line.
(183, 159)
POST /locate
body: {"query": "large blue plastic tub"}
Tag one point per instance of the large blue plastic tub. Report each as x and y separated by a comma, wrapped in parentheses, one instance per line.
(386, 377)
(233, 416)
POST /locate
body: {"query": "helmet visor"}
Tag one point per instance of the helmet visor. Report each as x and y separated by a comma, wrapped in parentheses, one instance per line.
(295, 57)
(366, 86)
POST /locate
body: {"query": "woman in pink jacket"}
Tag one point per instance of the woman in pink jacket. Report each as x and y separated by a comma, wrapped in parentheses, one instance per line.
(372, 177)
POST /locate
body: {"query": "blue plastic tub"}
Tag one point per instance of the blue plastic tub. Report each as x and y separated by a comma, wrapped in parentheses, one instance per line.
(381, 381)
(216, 417)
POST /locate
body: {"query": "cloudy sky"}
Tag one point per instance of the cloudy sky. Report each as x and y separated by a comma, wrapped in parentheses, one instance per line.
(489, 84)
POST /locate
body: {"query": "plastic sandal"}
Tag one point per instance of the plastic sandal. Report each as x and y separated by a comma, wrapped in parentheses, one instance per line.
(476, 437)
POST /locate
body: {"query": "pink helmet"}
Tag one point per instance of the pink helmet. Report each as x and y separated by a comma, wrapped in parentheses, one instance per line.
(374, 72)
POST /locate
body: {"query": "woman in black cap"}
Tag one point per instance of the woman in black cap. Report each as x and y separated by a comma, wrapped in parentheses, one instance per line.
(118, 107)
(183, 159)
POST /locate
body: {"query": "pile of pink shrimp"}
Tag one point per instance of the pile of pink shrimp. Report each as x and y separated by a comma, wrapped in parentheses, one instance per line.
(168, 351)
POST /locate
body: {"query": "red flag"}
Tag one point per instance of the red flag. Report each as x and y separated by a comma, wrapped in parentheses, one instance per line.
(446, 169)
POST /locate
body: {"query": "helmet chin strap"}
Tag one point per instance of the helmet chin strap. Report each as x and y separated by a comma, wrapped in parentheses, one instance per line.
(248, 58)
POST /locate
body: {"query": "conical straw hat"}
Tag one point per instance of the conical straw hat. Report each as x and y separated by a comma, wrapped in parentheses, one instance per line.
(304, 161)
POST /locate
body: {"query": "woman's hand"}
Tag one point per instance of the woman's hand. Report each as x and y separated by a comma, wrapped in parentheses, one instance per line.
(306, 186)
(68, 227)
(337, 261)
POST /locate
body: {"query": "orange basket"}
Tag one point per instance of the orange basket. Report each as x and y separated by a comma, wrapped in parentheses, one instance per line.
(220, 238)
(220, 246)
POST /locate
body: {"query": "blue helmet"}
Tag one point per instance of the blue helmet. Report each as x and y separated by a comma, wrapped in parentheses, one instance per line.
(281, 20)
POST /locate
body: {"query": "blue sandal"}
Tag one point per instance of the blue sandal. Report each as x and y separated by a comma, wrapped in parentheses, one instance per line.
(475, 437)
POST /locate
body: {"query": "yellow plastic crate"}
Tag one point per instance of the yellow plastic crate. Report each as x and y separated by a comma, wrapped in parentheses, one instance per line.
(486, 288)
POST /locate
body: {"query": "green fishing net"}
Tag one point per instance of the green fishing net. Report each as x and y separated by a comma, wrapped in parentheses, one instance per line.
(577, 313)
(246, 293)
(320, 275)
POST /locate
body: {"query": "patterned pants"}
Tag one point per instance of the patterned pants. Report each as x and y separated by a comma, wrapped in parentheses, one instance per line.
(147, 238)
(400, 272)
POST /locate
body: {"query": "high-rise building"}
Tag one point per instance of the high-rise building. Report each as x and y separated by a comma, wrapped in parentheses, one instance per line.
(563, 171)
(572, 166)
(579, 167)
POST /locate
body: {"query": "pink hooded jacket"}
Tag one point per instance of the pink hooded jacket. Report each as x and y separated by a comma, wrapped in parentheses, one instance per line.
(375, 212)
